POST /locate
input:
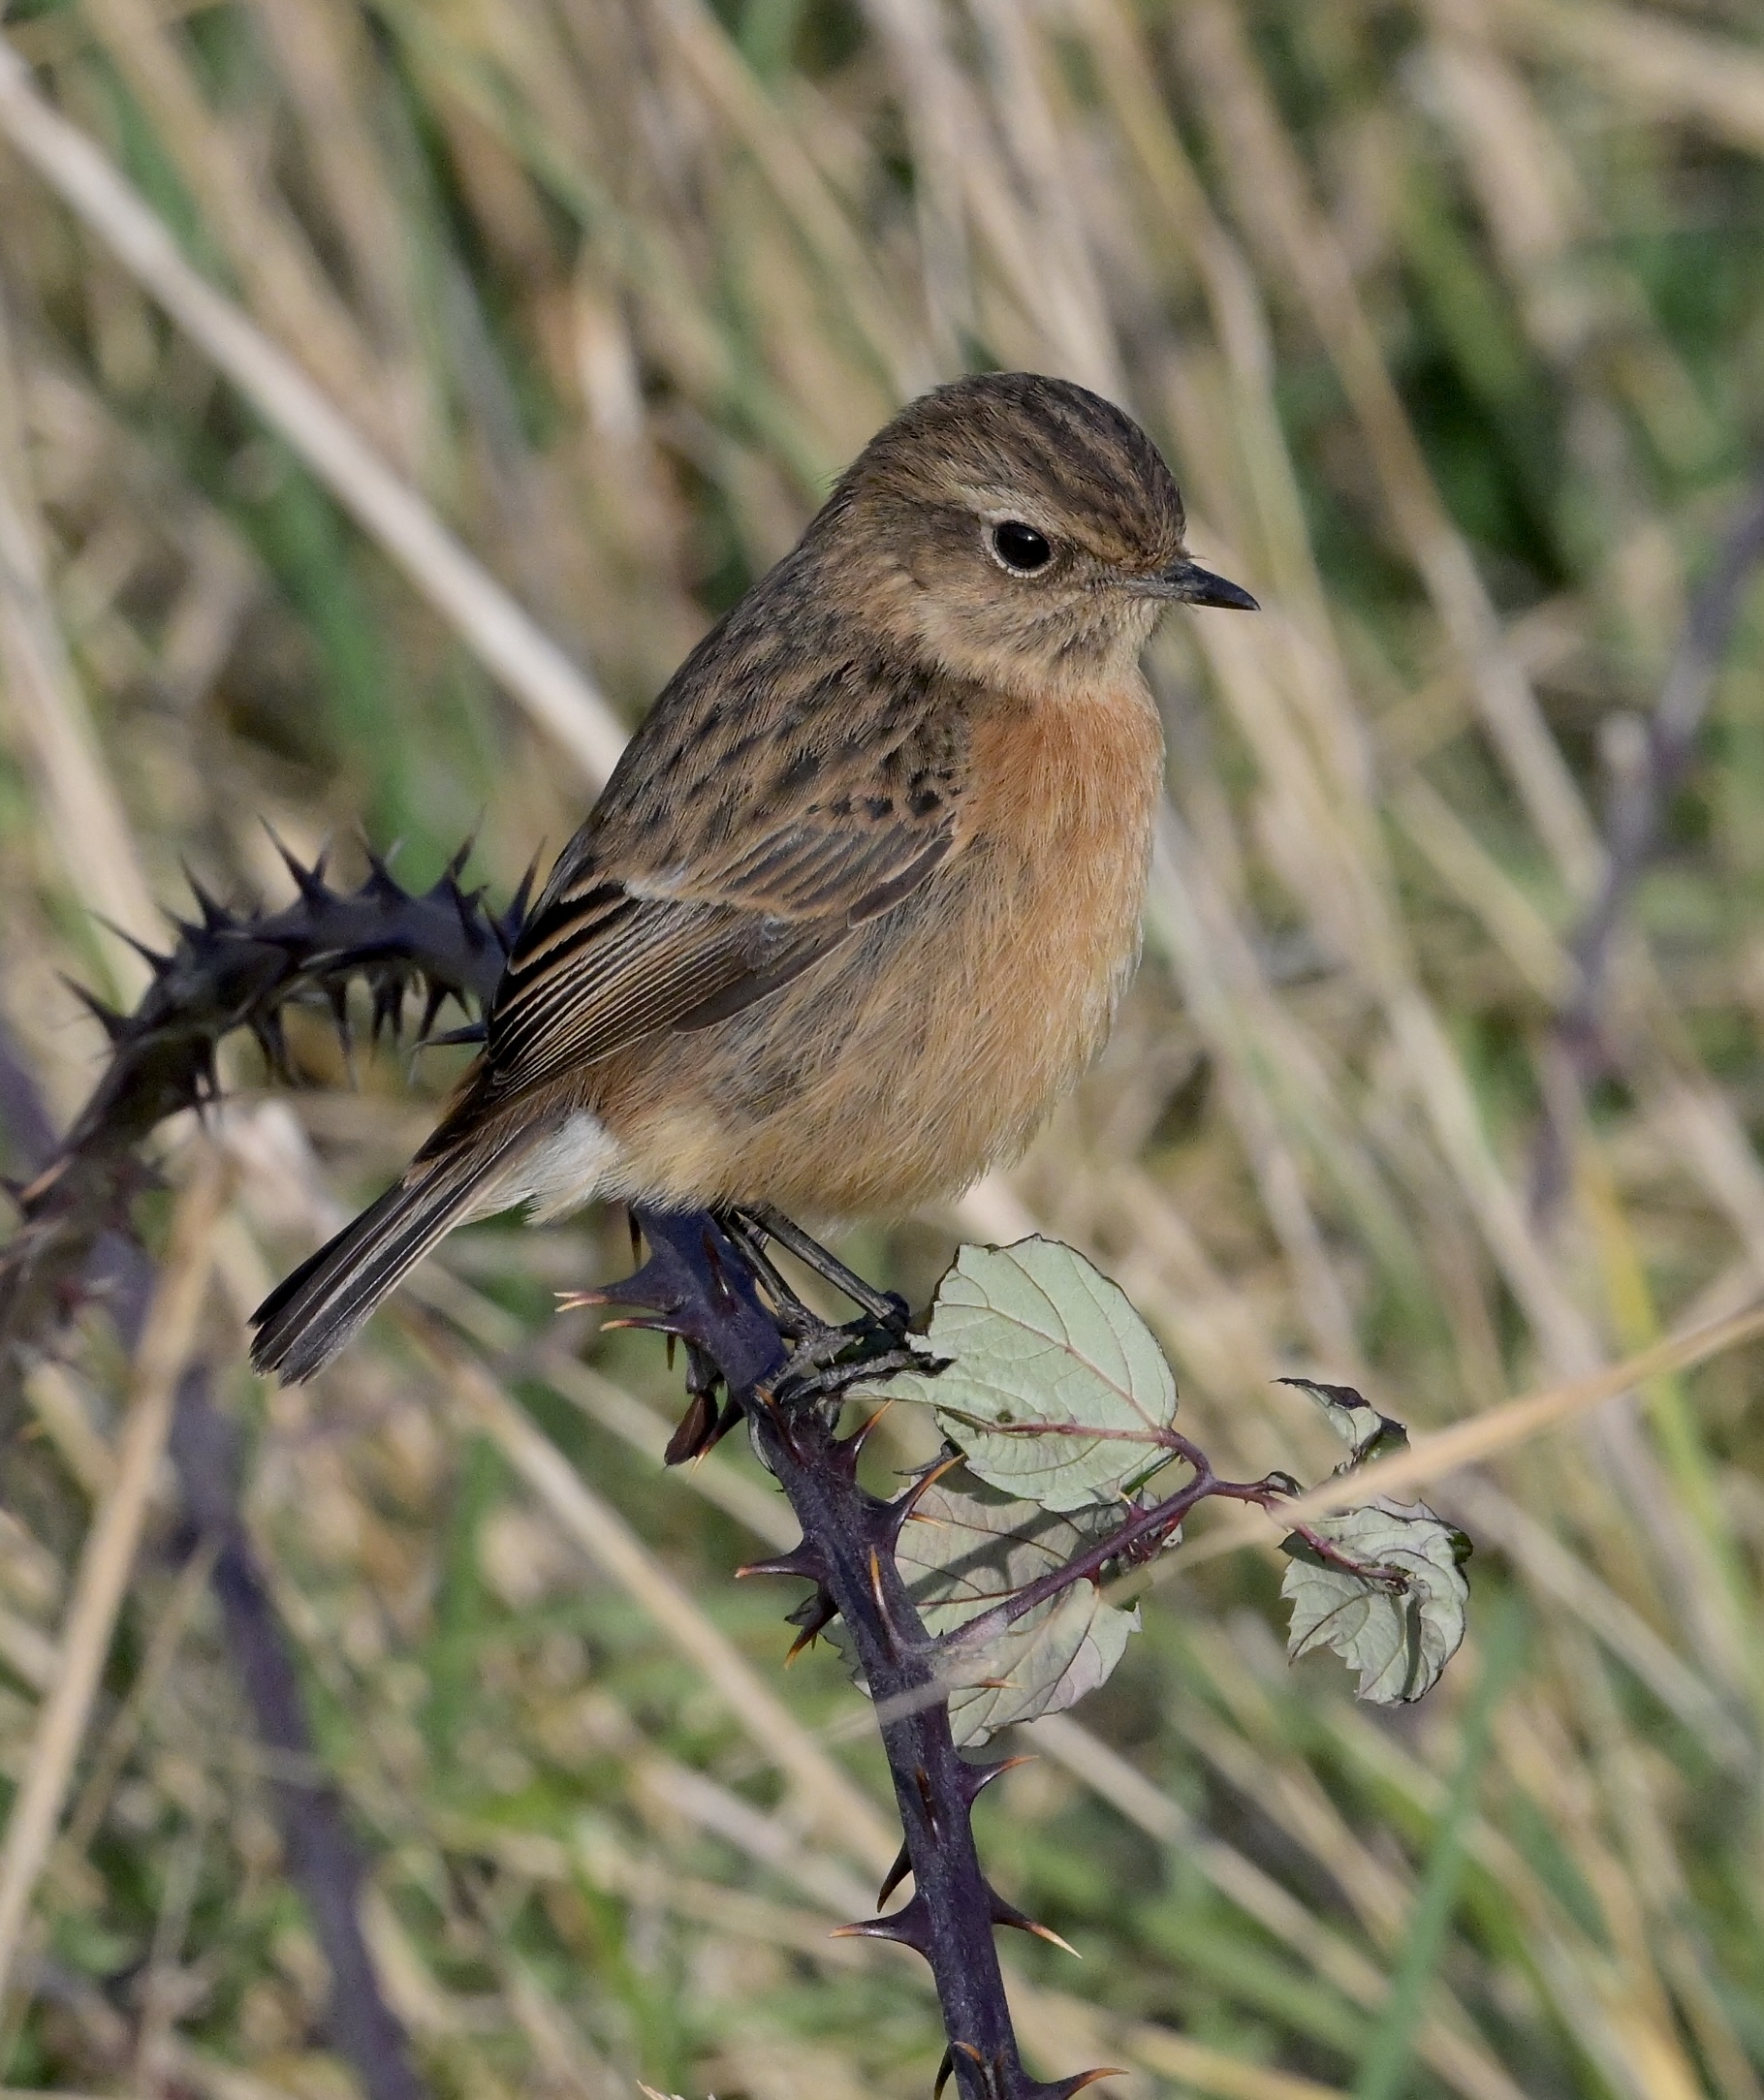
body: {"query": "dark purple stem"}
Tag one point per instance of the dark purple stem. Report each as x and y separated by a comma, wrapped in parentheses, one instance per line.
(699, 1281)
(1639, 808)
(1578, 1051)
(325, 1862)
(227, 971)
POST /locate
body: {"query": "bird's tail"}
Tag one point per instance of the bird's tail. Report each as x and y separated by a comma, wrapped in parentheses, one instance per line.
(303, 1324)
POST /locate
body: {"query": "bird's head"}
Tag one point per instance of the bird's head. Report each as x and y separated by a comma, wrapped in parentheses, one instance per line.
(1020, 529)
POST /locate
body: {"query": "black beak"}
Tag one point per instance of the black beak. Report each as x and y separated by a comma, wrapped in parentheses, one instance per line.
(1194, 585)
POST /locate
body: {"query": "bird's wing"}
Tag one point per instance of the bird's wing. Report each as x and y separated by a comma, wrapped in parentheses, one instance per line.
(682, 909)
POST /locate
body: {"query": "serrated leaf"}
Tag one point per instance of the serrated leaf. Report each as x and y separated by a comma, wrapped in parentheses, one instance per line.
(1366, 1433)
(969, 1544)
(1055, 1388)
(1401, 1622)
(965, 1548)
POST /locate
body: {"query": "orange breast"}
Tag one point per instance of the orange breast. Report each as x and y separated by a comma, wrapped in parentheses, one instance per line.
(899, 1069)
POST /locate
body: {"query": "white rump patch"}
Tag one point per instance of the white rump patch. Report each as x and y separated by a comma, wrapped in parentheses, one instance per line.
(566, 1170)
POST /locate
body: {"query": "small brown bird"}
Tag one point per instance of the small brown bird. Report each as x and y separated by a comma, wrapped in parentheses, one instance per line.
(857, 902)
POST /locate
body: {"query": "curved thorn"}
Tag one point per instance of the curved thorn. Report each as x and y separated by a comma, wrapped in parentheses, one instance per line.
(155, 960)
(859, 1436)
(509, 926)
(882, 1612)
(304, 877)
(214, 914)
(928, 1800)
(800, 1560)
(976, 1778)
(693, 1433)
(813, 1615)
(905, 1504)
(455, 866)
(380, 881)
(906, 1927)
(114, 1025)
(896, 1875)
(1004, 1913)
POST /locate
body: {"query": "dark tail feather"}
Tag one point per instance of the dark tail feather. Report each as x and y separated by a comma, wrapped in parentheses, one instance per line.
(303, 1324)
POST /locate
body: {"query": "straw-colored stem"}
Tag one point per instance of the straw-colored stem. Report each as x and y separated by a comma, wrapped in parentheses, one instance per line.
(107, 1556)
(536, 672)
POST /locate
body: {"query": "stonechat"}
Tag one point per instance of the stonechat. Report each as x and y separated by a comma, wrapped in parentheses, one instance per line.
(857, 904)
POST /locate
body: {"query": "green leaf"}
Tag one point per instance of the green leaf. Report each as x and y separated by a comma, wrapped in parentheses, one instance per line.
(1056, 1389)
(1397, 1615)
(966, 1546)
(1366, 1433)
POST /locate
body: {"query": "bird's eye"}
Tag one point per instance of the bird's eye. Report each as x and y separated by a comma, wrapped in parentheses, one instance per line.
(1019, 548)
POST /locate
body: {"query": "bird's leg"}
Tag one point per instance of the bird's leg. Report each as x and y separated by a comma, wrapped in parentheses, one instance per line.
(887, 1308)
(708, 1280)
(825, 1359)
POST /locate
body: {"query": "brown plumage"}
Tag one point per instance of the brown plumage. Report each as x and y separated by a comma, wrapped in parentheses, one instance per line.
(856, 905)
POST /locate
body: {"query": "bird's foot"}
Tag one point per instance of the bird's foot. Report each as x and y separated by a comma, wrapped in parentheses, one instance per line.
(708, 1281)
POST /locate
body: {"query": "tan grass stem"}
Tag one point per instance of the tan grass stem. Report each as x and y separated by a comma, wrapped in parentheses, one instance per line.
(1486, 1435)
(109, 1555)
(553, 691)
(843, 1812)
(49, 711)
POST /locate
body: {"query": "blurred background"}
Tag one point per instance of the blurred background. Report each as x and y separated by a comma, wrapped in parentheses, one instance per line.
(1441, 1076)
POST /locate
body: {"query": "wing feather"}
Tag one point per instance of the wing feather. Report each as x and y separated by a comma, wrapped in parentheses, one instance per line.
(698, 887)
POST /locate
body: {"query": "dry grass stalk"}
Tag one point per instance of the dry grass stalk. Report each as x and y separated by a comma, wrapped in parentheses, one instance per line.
(108, 1557)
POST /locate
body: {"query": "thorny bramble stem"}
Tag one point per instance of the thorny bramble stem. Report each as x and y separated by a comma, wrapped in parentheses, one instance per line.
(227, 971)
(784, 1370)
